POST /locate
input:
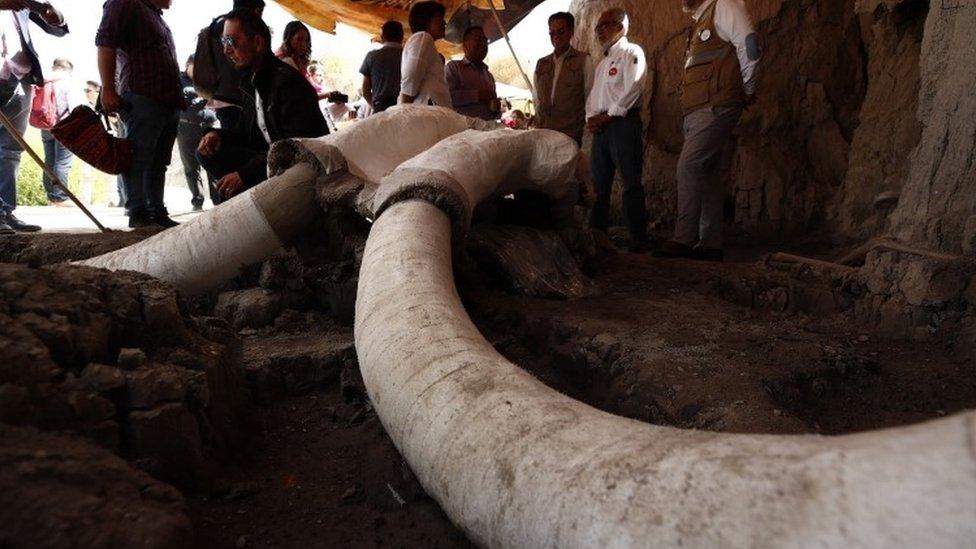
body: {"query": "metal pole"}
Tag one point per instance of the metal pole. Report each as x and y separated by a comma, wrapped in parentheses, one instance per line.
(50, 173)
(498, 20)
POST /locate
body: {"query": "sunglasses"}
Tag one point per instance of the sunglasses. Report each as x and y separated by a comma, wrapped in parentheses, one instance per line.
(228, 41)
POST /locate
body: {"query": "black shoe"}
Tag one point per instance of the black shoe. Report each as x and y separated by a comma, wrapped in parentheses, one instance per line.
(710, 254)
(139, 219)
(198, 207)
(163, 220)
(6, 229)
(674, 249)
(19, 226)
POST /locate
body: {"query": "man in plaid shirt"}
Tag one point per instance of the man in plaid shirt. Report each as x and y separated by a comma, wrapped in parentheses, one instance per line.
(141, 82)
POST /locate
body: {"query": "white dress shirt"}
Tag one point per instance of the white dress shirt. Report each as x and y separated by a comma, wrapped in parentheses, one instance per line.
(733, 24)
(618, 80)
(422, 72)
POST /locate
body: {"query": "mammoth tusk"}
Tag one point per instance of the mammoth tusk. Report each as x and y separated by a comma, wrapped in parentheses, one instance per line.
(517, 464)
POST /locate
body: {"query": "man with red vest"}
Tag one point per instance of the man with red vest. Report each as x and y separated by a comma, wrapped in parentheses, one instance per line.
(719, 81)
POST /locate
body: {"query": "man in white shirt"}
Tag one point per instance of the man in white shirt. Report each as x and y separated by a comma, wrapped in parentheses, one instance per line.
(719, 81)
(613, 117)
(422, 70)
(563, 79)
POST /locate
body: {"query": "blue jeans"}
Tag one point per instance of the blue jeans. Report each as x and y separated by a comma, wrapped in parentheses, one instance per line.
(151, 127)
(58, 159)
(17, 110)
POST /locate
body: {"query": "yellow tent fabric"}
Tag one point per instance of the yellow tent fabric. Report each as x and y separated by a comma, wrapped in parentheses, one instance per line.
(366, 15)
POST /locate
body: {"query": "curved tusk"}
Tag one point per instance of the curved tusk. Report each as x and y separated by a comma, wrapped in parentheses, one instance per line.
(516, 464)
(202, 254)
(205, 252)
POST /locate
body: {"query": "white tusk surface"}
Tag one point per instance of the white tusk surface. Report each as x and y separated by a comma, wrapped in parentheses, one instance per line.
(517, 464)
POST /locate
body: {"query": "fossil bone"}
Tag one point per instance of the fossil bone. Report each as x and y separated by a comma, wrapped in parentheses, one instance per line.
(517, 464)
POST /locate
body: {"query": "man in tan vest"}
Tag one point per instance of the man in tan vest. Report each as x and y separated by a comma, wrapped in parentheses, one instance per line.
(562, 81)
(719, 81)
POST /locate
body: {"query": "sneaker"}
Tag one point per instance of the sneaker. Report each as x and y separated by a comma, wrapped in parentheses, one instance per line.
(163, 220)
(6, 229)
(19, 225)
(710, 254)
(672, 249)
(198, 207)
(140, 219)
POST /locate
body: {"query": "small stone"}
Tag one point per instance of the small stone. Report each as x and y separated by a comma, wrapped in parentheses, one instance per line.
(241, 542)
(103, 378)
(349, 493)
(864, 339)
(130, 359)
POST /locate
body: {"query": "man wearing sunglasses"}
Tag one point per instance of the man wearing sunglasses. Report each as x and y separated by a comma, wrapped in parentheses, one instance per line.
(563, 80)
(278, 103)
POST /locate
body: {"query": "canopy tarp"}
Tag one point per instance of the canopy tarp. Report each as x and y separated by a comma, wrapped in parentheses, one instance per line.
(369, 15)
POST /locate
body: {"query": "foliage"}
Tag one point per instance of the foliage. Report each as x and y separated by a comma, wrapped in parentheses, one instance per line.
(30, 187)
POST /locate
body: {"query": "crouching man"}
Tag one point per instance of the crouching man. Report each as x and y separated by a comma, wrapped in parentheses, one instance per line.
(719, 81)
(278, 103)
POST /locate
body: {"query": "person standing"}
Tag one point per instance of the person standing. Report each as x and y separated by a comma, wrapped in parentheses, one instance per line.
(57, 157)
(562, 81)
(471, 83)
(194, 121)
(422, 70)
(278, 104)
(20, 70)
(719, 81)
(141, 82)
(381, 69)
(613, 117)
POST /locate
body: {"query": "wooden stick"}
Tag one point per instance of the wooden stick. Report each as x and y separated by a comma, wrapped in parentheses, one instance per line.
(528, 82)
(780, 257)
(50, 173)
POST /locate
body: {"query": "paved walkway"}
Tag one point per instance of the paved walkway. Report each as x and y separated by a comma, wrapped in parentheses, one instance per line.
(73, 220)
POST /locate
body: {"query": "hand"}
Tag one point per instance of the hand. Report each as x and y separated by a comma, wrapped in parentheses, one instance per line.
(209, 144)
(111, 102)
(230, 184)
(598, 123)
(14, 5)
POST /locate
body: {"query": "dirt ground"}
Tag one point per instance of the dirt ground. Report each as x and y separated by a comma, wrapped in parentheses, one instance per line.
(664, 341)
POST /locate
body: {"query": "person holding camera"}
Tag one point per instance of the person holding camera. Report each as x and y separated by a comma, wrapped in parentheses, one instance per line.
(278, 104)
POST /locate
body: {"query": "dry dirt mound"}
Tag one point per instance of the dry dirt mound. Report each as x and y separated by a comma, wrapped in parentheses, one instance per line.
(62, 491)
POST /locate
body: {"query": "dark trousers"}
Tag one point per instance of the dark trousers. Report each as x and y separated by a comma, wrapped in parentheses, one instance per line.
(58, 159)
(17, 110)
(228, 159)
(620, 146)
(151, 127)
(188, 139)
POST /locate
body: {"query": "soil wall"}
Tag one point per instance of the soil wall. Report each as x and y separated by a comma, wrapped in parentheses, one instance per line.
(834, 121)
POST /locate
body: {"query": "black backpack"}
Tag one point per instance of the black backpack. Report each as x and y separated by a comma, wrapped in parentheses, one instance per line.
(206, 73)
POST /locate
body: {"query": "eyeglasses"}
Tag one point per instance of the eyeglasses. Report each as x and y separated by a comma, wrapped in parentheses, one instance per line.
(228, 41)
